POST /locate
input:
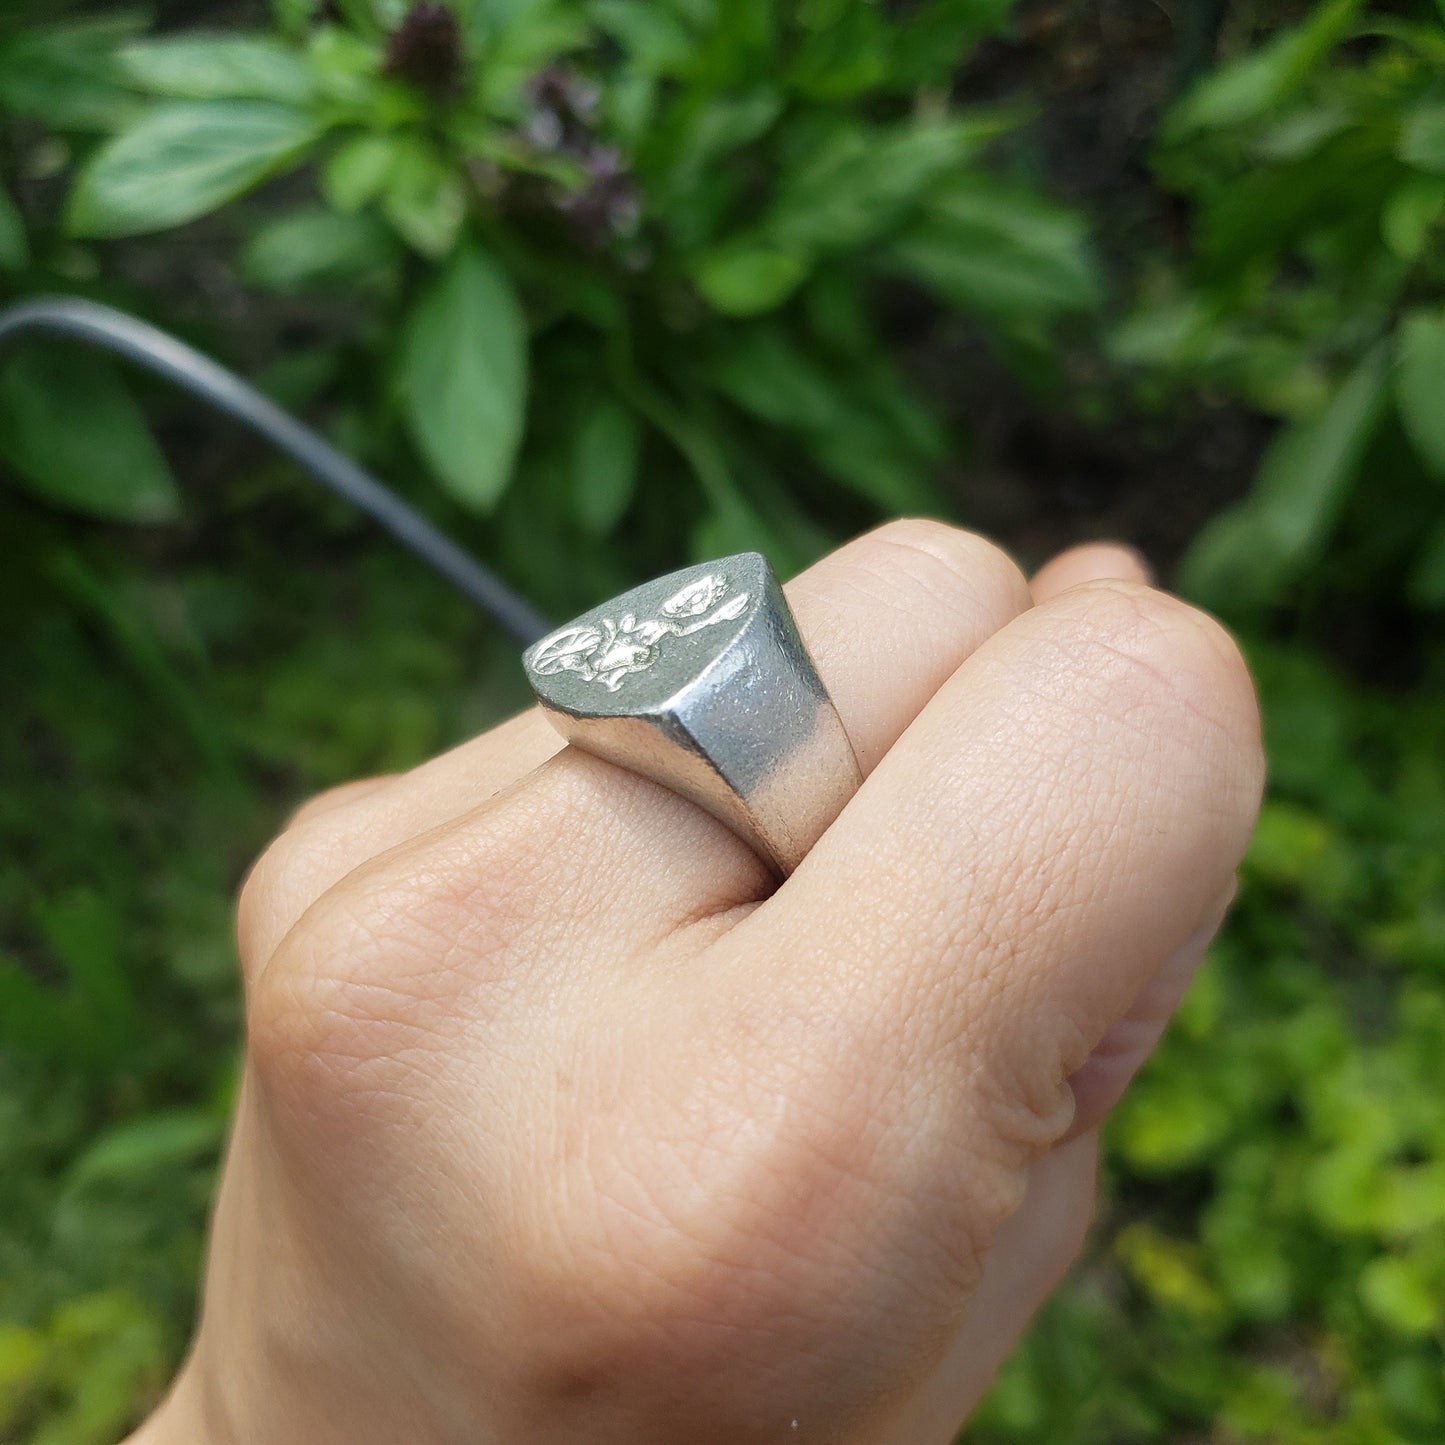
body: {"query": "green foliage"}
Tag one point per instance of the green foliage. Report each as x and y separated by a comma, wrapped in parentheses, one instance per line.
(621, 279)
(70, 431)
(181, 161)
(160, 721)
(464, 375)
(572, 213)
(1315, 167)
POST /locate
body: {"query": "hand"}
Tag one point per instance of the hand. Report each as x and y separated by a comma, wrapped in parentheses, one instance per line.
(561, 1124)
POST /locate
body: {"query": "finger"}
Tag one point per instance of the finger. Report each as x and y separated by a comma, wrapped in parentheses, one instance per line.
(887, 619)
(1121, 1053)
(1092, 562)
(1061, 817)
(335, 833)
(334, 799)
(1031, 1254)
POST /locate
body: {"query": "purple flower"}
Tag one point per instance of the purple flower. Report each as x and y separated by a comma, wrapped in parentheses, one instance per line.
(426, 50)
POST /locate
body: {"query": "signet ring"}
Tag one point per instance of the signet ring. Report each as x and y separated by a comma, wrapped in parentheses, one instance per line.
(700, 681)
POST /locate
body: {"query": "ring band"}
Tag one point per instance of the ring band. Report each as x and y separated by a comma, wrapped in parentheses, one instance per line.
(700, 681)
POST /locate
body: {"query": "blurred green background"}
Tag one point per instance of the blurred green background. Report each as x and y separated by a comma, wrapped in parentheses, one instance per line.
(605, 285)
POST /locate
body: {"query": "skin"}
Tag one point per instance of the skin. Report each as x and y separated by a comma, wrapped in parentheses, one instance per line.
(562, 1123)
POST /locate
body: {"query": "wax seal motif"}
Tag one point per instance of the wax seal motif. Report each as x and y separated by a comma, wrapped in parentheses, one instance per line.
(612, 650)
(700, 681)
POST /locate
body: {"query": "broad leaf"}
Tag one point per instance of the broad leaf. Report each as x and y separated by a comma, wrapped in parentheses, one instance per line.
(136, 1149)
(863, 181)
(842, 52)
(218, 67)
(604, 464)
(1246, 555)
(1248, 88)
(1420, 385)
(872, 453)
(360, 170)
(66, 76)
(425, 200)
(748, 279)
(182, 160)
(1422, 137)
(1410, 215)
(986, 247)
(14, 247)
(464, 377)
(72, 434)
(709, 130)
(1307, 471)
(316, 248)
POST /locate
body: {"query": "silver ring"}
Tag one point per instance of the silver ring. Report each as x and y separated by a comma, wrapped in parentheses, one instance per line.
(699, 681)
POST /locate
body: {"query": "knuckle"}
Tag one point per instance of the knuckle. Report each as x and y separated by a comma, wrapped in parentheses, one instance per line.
(332, 798)
(354, 994)
(320, 844)
(424, 941)
(951, 565)
(1159, 654)
(278, 884)
(256, 901)
(279, 1035)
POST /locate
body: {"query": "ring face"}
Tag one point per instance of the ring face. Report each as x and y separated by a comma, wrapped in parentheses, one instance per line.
(700, 681)
(643, 633)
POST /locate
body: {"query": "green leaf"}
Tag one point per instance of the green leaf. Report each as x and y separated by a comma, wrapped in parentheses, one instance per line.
(1426, 583)
(521, 41)
(85, 932)
(66, 76)
(1249, 87)
(1400, 1294)
(862, 181)
(1420, 385)
(1410, 214)
(747, 279)
(137, 1148)
(464, 377)
(991, 248)
(1301, 132)
(360, 170)
(767, 374)
(14, 246)
(1308, 469)
(1422, 137)
(842, 54)
(23, 1357)
(182, 160)
(317, 248)
(425, 200)
(707, 132)
(294, 16)
(218, 67)
(72, 434)
(656, 42)
(1247, 554)
(346, 68)
(604, 464)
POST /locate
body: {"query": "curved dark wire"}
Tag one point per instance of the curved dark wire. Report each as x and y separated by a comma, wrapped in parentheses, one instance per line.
(157, 351)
